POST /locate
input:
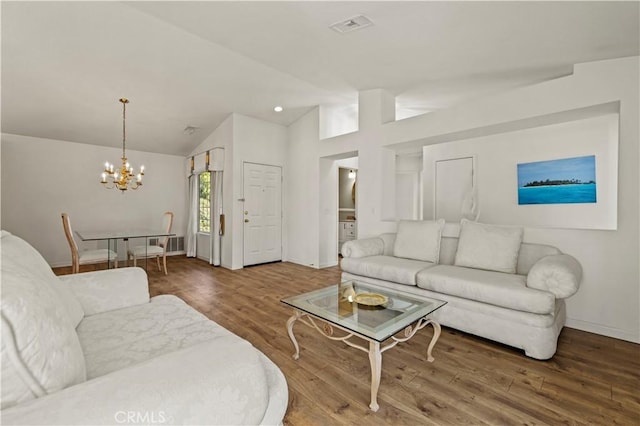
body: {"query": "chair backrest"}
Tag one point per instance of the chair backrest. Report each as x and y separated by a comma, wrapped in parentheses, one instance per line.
(167, 222)
(69, 234)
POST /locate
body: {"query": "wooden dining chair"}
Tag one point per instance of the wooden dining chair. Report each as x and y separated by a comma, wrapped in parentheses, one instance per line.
(146, 251)
(85, 257)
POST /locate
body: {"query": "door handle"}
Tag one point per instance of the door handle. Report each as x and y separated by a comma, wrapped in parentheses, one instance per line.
(246, 220)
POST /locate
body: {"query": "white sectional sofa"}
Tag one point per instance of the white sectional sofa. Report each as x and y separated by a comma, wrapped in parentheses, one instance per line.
(93, 348)
(496, 286)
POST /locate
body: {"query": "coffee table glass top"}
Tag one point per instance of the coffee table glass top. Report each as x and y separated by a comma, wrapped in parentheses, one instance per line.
(337, 304)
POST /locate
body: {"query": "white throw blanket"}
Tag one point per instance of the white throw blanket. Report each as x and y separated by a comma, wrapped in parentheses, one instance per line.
(197, 385)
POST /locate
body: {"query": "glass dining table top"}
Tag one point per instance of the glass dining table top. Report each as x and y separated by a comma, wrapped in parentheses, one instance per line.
(122, 234)
(338, 304)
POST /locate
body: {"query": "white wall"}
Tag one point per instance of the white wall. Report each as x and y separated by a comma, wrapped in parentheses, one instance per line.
(609, 300)
(496, 157)
(41, 178)
(408, 184)
(338, 120)
(301, 184)
(328, 190)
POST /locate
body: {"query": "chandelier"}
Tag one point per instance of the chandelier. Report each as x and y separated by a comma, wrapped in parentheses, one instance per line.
(122, 178)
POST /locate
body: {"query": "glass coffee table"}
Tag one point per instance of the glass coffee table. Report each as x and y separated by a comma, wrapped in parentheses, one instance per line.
(368, 312)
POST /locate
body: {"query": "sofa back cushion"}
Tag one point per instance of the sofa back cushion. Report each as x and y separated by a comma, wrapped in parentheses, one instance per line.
(448, 249)
(41, 353)
(389, 240)
(20, 255)
(490, 247)
(419, 240)
(528, 255)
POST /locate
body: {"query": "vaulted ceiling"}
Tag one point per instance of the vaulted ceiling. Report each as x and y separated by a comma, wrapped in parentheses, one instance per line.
(65, 64)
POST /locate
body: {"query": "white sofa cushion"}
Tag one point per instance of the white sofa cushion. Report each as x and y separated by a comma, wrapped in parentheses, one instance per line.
(108, 289)
(70, 302)
(39, 343)
(124, 337)
(419, 240)
(387, 268)
(490, 247)
(530, 254)
(40, 346)
(496, 288)
(200, 385)
(21, 256)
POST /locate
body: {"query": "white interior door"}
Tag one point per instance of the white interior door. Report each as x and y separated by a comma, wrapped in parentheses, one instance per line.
(454, 182)
(262, 213)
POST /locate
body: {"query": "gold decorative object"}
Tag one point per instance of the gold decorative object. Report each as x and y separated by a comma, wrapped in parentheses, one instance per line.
(122, 178)
(371, 299)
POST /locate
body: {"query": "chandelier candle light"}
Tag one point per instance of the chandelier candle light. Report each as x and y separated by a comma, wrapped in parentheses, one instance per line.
(122, 178)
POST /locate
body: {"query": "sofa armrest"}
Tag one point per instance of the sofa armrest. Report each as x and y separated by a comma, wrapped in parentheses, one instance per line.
(201, 384)
(363, 248)
(102, 291)
(559, 274)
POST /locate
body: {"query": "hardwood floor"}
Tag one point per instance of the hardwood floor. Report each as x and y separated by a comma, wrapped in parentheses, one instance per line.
(591, 380)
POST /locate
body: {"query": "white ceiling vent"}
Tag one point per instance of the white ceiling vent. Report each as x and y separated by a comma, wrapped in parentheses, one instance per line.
(351, 24)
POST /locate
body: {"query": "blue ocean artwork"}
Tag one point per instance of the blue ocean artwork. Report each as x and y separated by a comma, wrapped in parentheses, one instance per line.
(564, 181)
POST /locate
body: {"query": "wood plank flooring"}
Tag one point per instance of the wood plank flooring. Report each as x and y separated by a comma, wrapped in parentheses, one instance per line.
(592, 379)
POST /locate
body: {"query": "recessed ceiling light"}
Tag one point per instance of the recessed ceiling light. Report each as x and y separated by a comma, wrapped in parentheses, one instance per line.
(278, 109)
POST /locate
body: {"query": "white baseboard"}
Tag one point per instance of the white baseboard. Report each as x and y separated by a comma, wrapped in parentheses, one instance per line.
(604, 330)
(301, 262)
(329, 264)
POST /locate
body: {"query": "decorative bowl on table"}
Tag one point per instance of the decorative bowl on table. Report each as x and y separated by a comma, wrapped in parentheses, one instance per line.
(371, 299)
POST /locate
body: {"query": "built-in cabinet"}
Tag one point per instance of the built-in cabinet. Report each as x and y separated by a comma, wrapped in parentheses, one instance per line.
(347, 220)
(346, 231)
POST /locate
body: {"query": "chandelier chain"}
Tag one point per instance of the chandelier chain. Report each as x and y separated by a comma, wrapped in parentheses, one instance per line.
(124, 124)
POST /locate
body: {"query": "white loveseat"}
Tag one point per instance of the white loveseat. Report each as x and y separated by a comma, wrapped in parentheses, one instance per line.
(93, 348)
(496, 286)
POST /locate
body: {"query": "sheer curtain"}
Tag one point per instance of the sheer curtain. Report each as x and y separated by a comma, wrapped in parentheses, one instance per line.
(216, 213)
(192, 224)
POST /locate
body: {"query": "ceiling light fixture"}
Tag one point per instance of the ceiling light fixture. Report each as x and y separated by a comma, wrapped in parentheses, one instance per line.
(190, 130)
(122, 179)
(278, 108)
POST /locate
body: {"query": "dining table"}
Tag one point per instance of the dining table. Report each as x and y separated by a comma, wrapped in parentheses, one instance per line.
(112, 237)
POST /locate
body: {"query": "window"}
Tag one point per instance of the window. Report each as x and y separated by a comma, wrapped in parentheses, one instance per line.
(204, 222)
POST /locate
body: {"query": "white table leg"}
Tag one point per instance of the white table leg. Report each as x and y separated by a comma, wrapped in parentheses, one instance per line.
(375, 358)
(290, 323)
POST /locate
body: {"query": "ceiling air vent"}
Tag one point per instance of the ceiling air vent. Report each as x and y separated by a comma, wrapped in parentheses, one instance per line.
(351, 24)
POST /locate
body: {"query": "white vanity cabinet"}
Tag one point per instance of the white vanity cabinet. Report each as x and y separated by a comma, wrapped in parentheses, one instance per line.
(346, 232)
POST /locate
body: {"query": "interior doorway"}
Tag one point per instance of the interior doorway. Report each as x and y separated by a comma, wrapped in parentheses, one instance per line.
(347, 201)
(262, 213)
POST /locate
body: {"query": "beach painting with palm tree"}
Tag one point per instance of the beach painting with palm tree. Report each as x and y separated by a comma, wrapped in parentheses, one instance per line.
(563, 181)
